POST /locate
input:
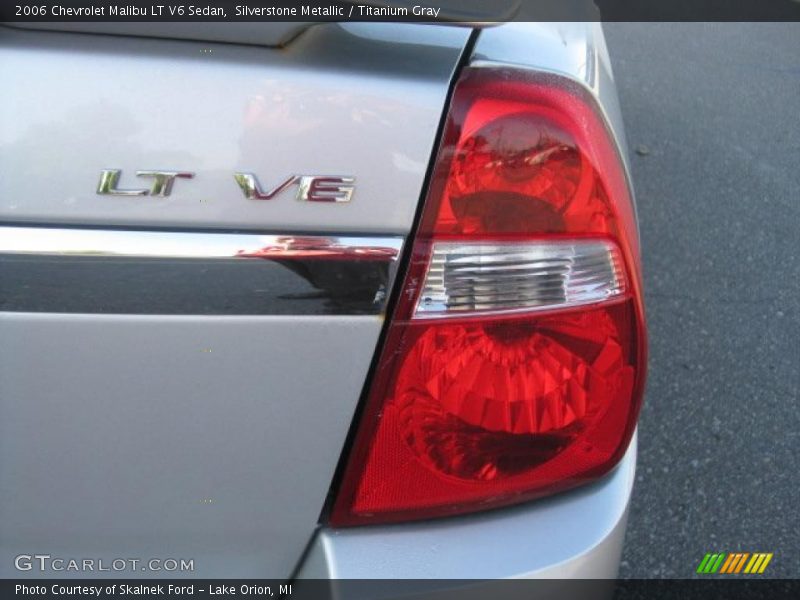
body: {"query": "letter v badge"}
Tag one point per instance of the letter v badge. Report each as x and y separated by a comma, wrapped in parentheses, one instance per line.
(252, 190)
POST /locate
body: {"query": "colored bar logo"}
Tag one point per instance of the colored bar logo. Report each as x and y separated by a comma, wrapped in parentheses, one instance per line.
(734, 563)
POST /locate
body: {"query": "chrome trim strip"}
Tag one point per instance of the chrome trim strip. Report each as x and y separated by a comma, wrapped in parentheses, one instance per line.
(47, 269)
(170, 244)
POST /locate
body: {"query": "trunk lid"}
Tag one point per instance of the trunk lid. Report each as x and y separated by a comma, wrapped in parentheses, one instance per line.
(178, 372)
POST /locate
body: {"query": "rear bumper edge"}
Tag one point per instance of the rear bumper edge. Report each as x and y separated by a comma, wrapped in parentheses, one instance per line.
(576, 535)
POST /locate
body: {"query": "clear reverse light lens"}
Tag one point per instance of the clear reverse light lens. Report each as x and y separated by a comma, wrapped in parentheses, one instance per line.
(506, 277)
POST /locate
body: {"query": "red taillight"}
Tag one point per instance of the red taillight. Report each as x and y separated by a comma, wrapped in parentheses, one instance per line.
(515, 359)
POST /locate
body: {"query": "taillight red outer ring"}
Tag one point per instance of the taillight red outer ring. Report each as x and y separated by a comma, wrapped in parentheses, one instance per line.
(595, 138)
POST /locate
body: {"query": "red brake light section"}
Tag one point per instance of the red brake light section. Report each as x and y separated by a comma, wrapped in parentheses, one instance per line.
(514, 362)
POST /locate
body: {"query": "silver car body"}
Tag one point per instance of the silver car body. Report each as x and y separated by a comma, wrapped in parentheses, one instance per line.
(215, 437)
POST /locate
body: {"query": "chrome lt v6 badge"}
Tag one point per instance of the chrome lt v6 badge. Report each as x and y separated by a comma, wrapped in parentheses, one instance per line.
(310, 188)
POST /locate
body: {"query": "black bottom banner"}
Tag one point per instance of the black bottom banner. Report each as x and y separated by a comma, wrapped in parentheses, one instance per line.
(408, 589)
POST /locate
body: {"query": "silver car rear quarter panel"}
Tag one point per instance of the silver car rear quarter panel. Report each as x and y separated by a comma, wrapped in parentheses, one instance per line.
(210, 441)
(574, 535)
(206, 437)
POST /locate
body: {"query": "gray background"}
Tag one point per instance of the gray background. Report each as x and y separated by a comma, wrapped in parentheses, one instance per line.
(714, 112)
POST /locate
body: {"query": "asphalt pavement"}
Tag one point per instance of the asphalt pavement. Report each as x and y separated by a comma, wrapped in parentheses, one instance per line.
(712, 113)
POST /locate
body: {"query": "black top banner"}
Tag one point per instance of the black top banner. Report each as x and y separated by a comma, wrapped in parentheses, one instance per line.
(467, 12)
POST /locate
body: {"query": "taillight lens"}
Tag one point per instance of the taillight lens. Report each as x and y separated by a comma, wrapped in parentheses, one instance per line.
(515, 359)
